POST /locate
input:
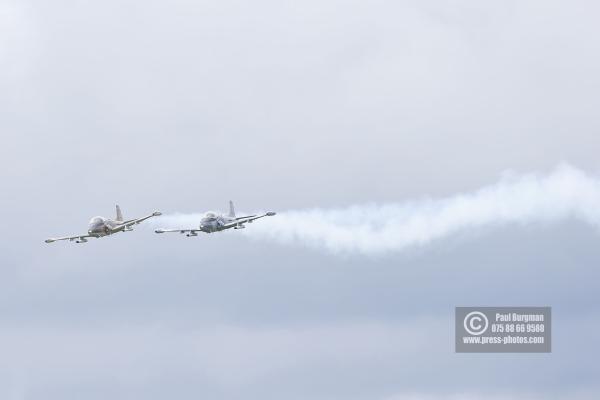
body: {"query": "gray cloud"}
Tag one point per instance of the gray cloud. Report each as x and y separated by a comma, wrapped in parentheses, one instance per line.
(182, 106)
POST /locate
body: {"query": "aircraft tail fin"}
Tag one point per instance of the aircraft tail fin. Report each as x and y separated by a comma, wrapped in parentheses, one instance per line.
(231, 210)
(119, 214)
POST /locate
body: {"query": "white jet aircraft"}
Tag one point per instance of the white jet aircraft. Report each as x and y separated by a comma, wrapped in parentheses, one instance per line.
(211, 222)
(100, 226)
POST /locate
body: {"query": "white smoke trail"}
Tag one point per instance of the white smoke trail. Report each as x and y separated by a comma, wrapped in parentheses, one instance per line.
(370, 229)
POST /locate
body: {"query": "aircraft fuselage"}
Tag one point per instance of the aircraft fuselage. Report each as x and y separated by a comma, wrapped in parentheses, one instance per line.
(100, 226)
(212, 222)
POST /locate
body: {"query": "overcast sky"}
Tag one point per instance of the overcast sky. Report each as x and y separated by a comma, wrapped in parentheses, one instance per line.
(182, 105)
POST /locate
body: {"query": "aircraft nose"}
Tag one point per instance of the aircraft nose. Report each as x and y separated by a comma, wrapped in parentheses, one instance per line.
(94, 229)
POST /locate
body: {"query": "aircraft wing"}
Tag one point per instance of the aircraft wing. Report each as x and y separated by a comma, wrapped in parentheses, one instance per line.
(128, 223)
(242, 220)
(78, 239)
(189, 232)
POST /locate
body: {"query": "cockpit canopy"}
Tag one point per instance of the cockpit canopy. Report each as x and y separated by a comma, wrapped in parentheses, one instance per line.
(210, 215)
(96, 221)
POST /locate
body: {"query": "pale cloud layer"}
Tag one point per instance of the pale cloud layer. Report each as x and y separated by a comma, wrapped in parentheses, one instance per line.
(315, 105)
